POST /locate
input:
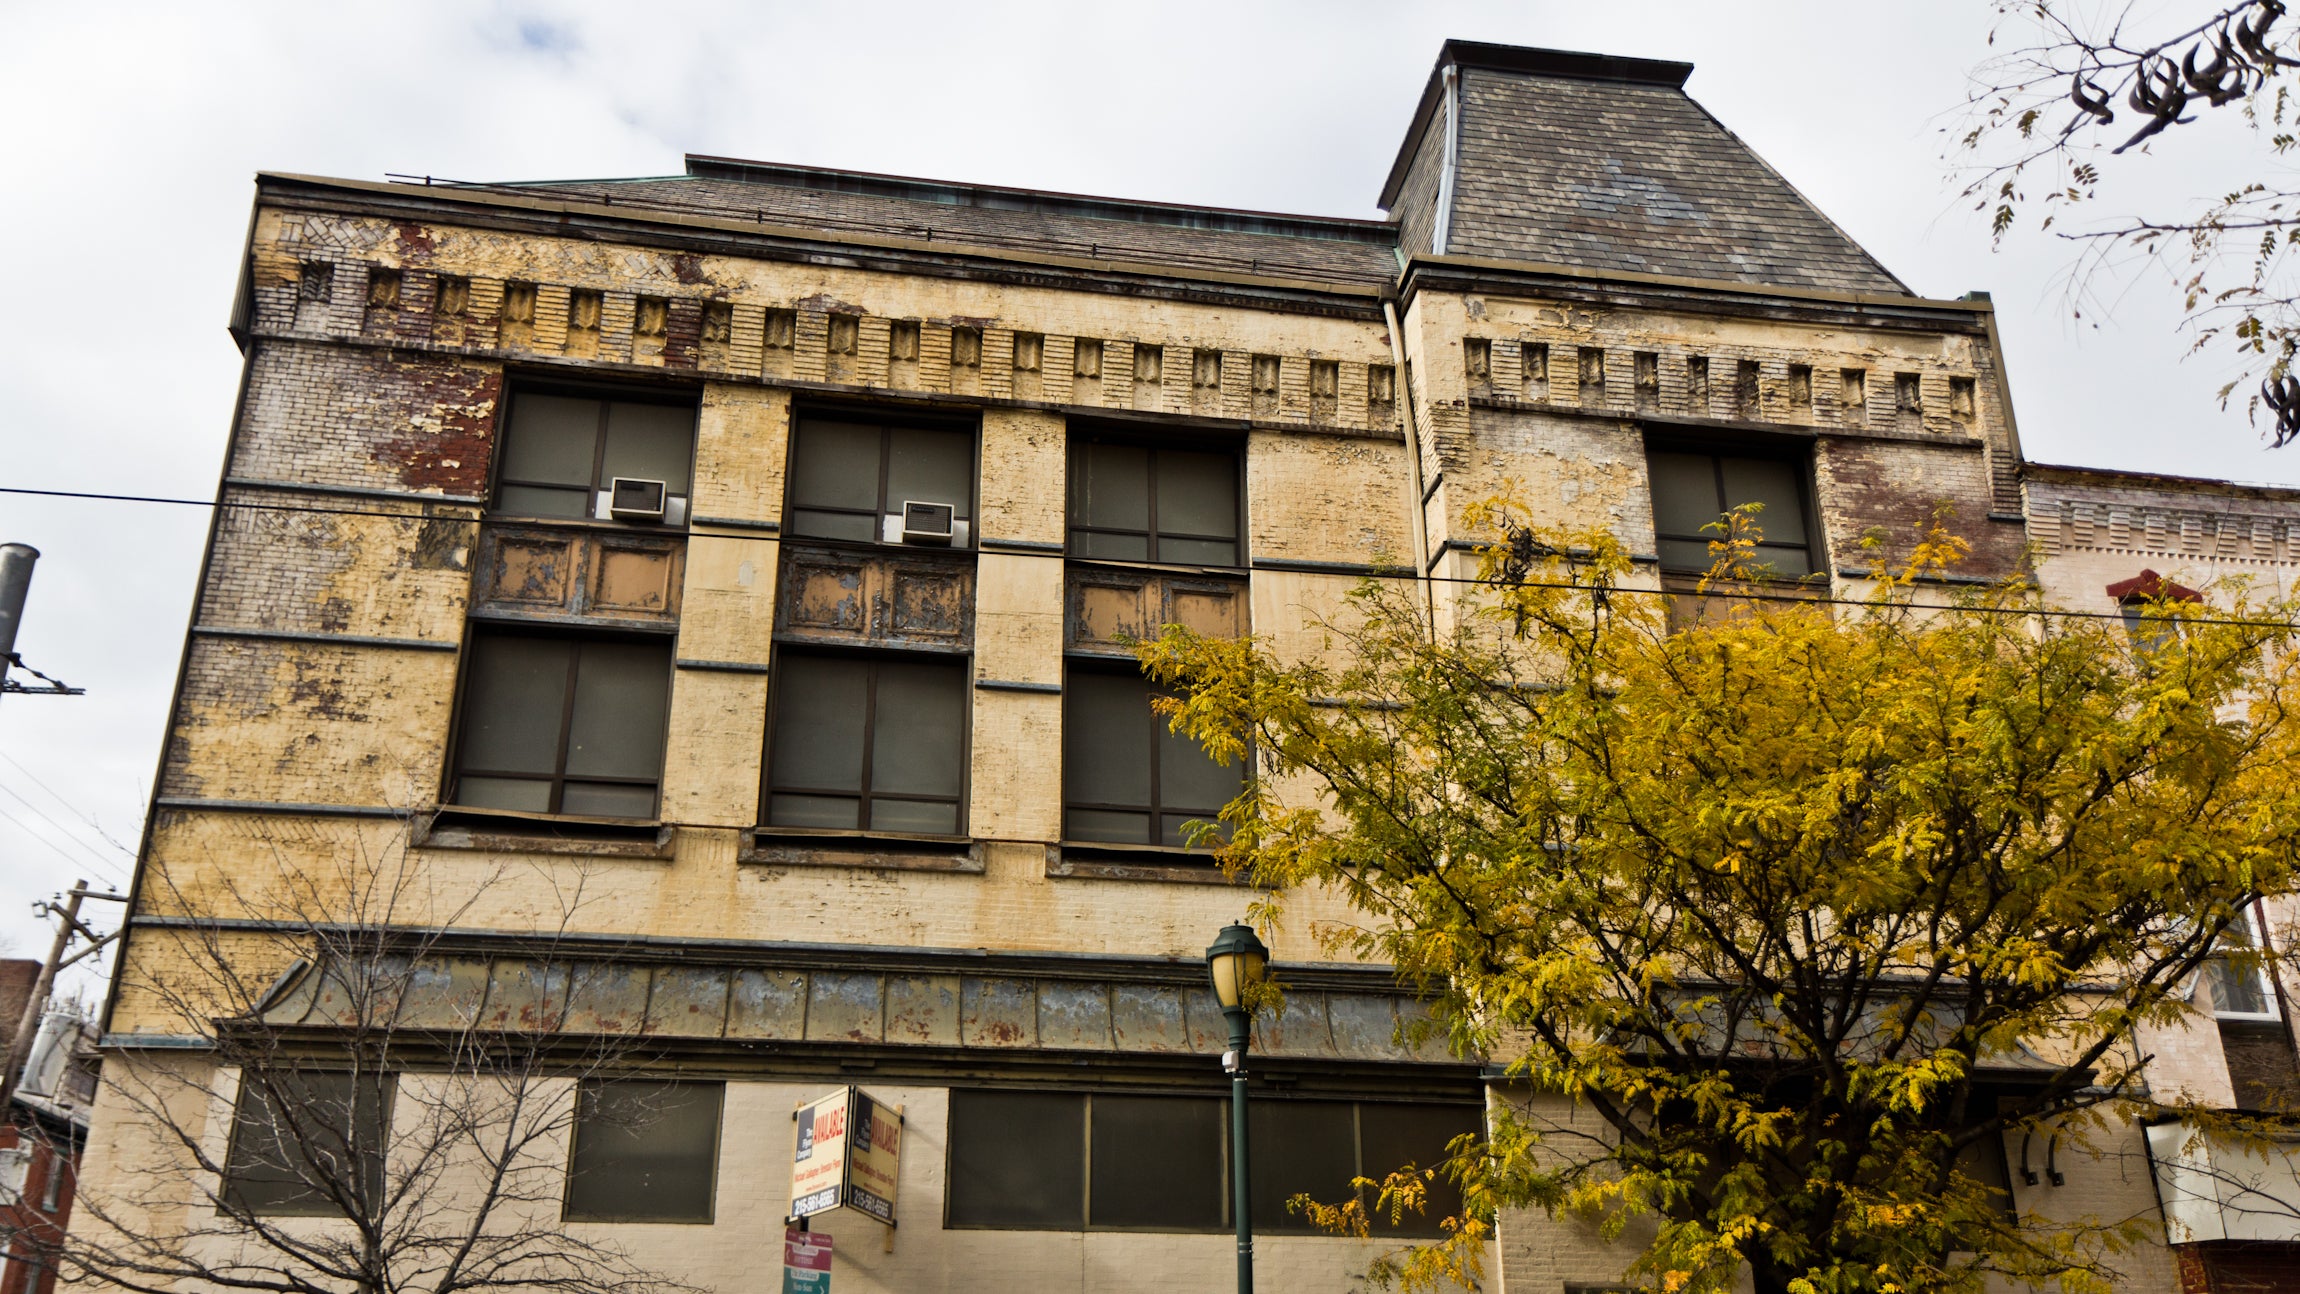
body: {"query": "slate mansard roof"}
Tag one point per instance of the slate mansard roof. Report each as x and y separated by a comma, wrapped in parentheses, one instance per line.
(1585, 161)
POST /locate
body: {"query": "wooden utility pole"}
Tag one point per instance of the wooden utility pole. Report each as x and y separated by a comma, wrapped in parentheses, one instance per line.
(28, 1028)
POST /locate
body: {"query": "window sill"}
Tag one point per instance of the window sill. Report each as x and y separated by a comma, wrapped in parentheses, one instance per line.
(784, 847)
(1103, 862)
(509, 831)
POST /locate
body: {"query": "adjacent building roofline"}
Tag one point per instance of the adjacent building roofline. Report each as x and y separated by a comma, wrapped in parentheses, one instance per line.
(2072, 474)
(1564, 63)
(1004, 198)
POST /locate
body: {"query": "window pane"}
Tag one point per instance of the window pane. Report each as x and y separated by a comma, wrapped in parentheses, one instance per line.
(930, 466)
(303, 1142)
(1188, 778)
(622, 704)
(819, 707)
(1397, 1135)
(915, 816)
(1117, 548)
(644, 1152)
(542, 501)
(504, 793)
(1108, 826)
(831, 812)
(1684, 493)
(919, 729)
(1017, 1159)
(1300, 1148)
(1110, 486)
(835, 465)
(607, 800)
(513, 703)
(1197, 493)
(1198, 552)
(1157, 1162)
(859, 526)
(1783, 560)
(551, 440)
(654, 442)
(1774, 484)
(1106, 741)
(1174, 829)
(1685, 554)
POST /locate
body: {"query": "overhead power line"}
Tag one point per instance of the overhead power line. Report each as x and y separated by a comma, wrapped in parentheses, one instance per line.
(1736, 594)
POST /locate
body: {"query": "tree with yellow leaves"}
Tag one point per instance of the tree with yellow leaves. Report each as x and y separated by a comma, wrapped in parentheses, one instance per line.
(1805, 906)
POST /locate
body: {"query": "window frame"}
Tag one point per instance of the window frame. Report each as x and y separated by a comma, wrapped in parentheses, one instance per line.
(688, 399)
(1156, 809)
(2246, 928)
(1225, 1156)
(1236, 449)
(1797, 456)
(478, 630)
(887, 421)
(718, 1146)
(872, 658)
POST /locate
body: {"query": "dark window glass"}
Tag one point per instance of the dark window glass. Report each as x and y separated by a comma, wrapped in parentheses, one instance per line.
(1017, 1159)
(1300, 1148)
(559, 451)
(1157, 1162)
(868, 744)
(1393, 1136)
(1126, 779)
(644, 1152)
(1691, 491)
(309, 1144)
(1143, 504)
(563, 725)
(848, 478)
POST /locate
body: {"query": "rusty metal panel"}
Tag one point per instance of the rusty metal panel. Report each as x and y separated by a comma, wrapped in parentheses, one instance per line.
(607, 997)
(688, 1002)
(524, 995)
(1073, 1015)
(1145, 1017)
(767, 1004)
(895, 599)
(1302, 1029)
(1364, 1027)
(553, 573)
(845, 1006)
(445, 993)
(342, 993)
(997, 1012)
(1209, 1032)
(1108, 605)
(922, 1009)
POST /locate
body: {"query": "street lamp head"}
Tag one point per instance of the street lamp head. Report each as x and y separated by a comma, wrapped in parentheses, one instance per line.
(1236, 961)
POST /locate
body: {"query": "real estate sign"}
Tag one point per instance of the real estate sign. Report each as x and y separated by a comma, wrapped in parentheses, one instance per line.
(847, 1154)
(806, 1263)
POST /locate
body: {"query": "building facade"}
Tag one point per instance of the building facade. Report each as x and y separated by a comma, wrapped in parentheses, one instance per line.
(708, 598)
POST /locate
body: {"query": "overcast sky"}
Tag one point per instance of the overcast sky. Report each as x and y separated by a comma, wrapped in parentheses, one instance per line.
(133, 132)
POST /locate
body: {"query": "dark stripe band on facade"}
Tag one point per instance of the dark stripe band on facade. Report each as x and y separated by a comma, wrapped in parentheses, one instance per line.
(196, 802)
(326, 640)
(1002, 685)
(724, 666)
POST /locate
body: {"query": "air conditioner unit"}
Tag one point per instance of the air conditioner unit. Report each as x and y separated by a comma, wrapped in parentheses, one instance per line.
(928, 523)
(632, 499)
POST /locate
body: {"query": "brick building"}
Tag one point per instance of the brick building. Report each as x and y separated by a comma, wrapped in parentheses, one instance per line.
(753, 549)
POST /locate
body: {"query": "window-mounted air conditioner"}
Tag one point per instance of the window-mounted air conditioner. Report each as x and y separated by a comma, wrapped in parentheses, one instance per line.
(928, 523)
(633, 499)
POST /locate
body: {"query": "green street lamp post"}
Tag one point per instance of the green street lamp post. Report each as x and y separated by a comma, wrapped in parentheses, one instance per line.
(1236, 962)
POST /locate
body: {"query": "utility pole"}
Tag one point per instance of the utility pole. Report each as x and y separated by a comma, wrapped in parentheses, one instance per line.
(16, 562)
(20, 1048)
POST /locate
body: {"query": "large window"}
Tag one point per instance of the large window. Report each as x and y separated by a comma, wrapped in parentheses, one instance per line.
(871, 743)
(1694, 490)
(1138, 503)
(1066, 1161)
(309, 1144)
(2239, 991)
(644, 1151)
(857, 480)
(562, 454)
(563, 725)
(1127, 779)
